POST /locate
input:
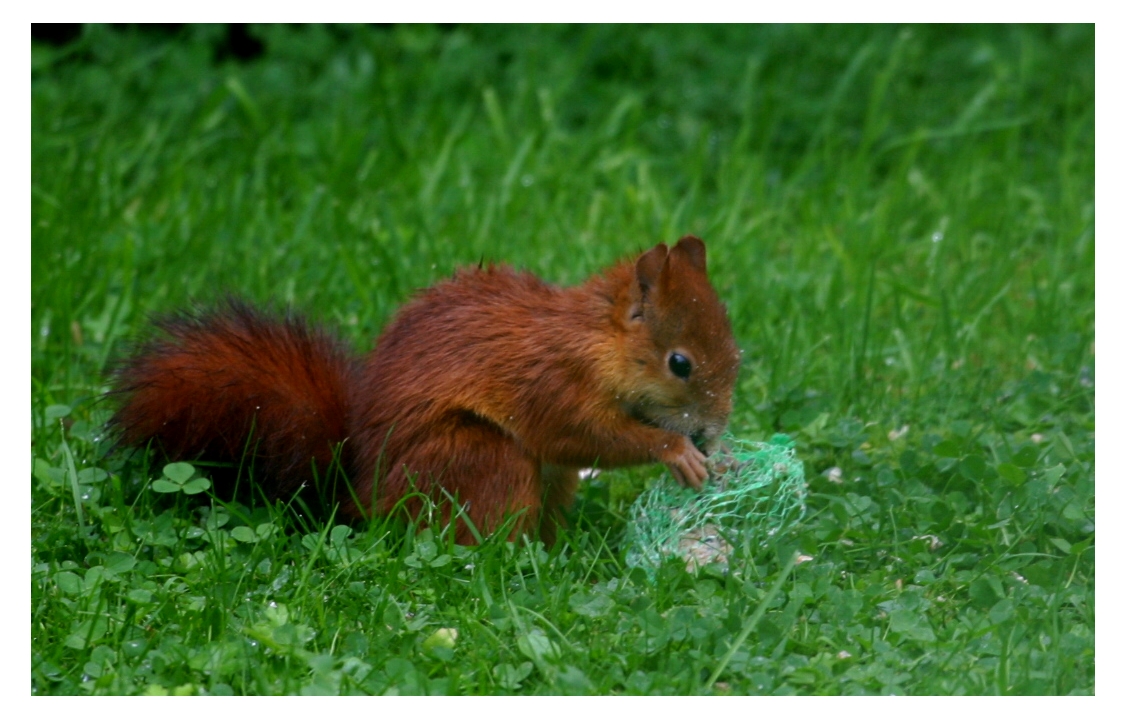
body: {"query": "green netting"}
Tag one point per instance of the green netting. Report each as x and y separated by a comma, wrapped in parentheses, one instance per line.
(756, 490)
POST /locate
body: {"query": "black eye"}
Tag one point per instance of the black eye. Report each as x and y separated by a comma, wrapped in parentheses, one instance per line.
(680, 365)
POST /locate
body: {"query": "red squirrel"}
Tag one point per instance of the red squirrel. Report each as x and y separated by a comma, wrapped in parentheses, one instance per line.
(492, 388)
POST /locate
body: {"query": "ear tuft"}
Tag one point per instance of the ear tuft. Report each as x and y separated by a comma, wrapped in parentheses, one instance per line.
(692, 248)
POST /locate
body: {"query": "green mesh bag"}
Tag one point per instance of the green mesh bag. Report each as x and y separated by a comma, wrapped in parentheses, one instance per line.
(756, 490)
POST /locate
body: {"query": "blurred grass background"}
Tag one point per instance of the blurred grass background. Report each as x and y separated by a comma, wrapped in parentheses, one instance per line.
(901, 220)
(349, 167)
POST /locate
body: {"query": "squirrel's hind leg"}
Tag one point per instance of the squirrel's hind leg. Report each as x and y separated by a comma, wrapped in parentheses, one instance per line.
(559, 487)
(476, 464)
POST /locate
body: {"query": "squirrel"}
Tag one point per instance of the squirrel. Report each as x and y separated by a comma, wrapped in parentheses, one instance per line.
(487, 393)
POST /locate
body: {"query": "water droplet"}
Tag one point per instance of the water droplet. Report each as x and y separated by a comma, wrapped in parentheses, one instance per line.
(937, 237)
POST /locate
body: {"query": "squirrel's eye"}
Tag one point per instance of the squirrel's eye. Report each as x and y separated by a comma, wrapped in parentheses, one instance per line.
(680, 365)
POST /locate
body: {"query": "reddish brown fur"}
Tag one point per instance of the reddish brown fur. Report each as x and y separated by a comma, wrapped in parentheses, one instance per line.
(235, 383)
(492, 387)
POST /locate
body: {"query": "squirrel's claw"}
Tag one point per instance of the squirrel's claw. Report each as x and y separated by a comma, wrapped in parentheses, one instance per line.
(688, 467)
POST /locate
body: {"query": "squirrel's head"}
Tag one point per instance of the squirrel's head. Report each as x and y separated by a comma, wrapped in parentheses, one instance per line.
(682, 359)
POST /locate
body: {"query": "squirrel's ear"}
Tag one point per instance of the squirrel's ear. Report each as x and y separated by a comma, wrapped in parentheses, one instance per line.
(648, 267)
(692, 248)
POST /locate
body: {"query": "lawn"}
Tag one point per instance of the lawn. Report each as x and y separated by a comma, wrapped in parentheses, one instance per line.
(900, 220)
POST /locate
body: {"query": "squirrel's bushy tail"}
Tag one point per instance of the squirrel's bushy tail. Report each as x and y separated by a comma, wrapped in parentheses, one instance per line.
(237, 385)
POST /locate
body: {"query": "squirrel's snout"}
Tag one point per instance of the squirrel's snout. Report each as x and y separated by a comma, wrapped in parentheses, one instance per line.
(707, 437)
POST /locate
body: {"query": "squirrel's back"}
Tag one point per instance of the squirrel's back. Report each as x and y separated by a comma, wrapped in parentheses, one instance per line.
(490, 351)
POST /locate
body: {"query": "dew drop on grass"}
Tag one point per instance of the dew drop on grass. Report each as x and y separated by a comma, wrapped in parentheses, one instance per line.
(937, 237)
(133, 647)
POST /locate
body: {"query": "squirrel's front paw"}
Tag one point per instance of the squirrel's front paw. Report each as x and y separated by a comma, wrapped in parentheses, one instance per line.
(688, 465)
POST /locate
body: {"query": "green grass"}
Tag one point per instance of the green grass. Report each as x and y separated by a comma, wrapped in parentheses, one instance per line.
(901, 221)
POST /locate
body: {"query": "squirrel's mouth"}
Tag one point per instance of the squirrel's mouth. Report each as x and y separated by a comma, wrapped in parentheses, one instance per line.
(674, 422)
(700, 439)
